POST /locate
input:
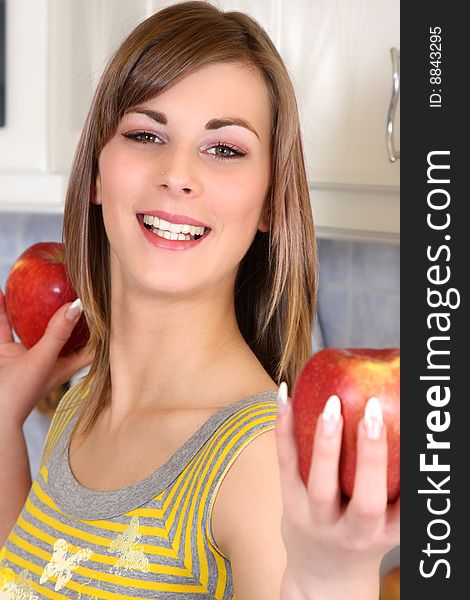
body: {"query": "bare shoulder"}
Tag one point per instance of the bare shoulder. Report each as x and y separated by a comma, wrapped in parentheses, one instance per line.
(246, 520)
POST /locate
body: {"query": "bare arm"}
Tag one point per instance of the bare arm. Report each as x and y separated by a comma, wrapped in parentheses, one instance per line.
(27, 376)
(15, 476)
(335, 548)
(246, 521)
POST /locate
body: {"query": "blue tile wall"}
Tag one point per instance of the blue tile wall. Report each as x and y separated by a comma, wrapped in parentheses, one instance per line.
(359, 293)
(375, 266)
(40, 228)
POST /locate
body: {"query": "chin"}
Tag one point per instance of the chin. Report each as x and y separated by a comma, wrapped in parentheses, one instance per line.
(167, 284)
(167, 279)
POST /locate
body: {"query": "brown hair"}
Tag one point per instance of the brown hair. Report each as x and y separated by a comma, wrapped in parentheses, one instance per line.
(275, 291)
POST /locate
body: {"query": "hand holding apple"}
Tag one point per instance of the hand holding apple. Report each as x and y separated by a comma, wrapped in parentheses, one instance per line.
(334, 547)
(36, 287)
(28, 376)
(354, 375)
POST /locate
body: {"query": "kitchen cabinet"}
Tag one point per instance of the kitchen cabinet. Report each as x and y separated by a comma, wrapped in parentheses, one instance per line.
(338, 55)
(23, 136)
(23, 139)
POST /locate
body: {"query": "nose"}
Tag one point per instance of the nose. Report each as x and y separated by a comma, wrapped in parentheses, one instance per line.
(179, 173)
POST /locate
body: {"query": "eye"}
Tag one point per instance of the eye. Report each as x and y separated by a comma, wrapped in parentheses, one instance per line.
(224, 151)
(143, 137)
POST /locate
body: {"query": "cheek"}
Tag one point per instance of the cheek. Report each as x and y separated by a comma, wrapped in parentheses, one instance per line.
(114, 191)
(121, 169)
(239, 216)
(119, 182)
(118, 176)
(242, 202)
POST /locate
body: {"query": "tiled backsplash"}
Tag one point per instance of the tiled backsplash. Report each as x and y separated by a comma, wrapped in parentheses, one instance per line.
(359, 294)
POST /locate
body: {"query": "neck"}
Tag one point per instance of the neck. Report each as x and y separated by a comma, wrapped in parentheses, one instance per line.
(179, 352)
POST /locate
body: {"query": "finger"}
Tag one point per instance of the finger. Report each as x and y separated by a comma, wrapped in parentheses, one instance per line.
(366, 510)
(323, 483)
(58, 330)
(292, 487)
(6, 335)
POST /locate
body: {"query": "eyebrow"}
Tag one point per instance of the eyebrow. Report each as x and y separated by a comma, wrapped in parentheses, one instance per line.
(159, 117)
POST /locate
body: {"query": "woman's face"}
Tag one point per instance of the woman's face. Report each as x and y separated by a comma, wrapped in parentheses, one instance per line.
(197, 155)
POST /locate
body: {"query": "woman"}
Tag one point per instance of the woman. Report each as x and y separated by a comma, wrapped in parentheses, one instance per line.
(190, 241)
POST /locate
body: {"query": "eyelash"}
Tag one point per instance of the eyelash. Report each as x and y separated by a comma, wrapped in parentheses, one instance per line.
(237, 152)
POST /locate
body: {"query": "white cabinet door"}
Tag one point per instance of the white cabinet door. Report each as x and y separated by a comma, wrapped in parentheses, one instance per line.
(22, 139)
(25, 180)
(338, 53)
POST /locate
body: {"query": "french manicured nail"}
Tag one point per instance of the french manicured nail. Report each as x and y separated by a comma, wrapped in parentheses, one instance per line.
(282, 399)
(373, 418)
(74, 310)
(330, 416)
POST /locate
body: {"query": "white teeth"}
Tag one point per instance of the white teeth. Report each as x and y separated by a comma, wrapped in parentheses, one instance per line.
(177, 228)
(167, 234)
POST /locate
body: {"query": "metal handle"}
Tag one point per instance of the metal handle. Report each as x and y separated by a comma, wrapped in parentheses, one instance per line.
(393, 154)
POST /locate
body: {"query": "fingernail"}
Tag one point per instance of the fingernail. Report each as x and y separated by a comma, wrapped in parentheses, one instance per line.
(74, 310)
(330, 416)
(282, 399)
(373, 418)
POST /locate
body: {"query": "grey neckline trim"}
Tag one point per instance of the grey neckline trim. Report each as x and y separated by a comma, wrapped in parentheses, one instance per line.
(83, 503)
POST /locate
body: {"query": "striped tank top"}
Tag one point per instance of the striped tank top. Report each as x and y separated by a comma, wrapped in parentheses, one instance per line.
(152, 539)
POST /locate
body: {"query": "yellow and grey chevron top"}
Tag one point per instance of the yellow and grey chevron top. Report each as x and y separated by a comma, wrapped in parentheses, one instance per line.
(152, 539)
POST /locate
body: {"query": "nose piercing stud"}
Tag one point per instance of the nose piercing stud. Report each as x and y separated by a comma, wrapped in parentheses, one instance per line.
(163, 172)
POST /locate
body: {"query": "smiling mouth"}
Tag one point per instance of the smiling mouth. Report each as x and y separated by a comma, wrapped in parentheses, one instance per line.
(172, 231)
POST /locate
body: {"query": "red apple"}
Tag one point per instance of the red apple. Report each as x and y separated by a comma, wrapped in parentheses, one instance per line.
(354, 375)
(36, 287)
(390, 585)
